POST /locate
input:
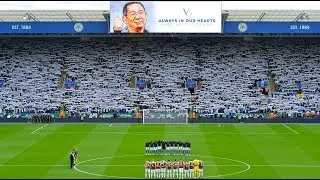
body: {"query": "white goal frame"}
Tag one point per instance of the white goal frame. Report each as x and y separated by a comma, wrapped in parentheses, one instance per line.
(164, 110)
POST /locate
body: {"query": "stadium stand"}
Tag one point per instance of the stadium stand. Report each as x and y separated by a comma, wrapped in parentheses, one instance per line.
(31, 71)
(227, 70)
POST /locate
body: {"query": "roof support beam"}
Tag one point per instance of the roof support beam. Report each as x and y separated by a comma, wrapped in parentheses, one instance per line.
(106, 16)
(70, 16)
(225, 15)
(299, 17)
(31, 16)
(261, 16)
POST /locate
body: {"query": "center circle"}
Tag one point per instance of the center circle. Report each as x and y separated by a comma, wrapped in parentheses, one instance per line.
(210, 157)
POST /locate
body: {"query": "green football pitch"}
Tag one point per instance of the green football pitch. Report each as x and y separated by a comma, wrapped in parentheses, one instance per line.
(117, 150)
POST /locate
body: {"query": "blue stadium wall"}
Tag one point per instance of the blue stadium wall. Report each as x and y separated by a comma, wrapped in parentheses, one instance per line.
(102, 27)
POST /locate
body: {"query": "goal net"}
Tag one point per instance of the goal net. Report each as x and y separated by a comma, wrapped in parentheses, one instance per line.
(155, 116)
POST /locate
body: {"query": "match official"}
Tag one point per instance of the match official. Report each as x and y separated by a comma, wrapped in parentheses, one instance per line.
(75, 152)
(72, 159)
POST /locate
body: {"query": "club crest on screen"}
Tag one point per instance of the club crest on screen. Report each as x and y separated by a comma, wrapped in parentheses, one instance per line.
(187, 12)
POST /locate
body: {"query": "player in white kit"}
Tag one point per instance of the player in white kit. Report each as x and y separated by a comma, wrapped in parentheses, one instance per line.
(191, 172)
(181, 169)
(175, 169)
(169, 170)
(158, 169)
(186, 170)
(163, 169)
(201, 169)
(153, 169)
(147, 169)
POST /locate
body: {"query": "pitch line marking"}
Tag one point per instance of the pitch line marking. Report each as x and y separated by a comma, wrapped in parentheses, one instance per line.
(290, 129)
(169, 133)
(220, 175)
(39, 128)
(134, 165)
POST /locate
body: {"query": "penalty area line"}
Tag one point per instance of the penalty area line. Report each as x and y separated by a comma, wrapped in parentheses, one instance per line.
(39, 128)
(290, 129)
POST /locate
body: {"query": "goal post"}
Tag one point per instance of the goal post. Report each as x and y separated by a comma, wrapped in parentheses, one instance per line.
(160, 116)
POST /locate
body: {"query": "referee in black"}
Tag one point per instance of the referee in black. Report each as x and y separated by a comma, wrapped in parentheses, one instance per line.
(72, 159)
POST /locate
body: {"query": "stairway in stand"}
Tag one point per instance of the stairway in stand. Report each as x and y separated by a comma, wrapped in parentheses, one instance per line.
(272, 84)
(63, 78)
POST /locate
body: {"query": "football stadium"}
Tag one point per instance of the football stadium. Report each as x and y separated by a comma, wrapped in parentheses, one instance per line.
(133, 92)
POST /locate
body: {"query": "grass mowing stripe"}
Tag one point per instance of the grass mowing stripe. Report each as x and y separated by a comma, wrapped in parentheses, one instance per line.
(207, 146)
(80, 144)
(305, 143)
(16, 142)
(99, 147)
(298, 154)
(242, 148)
(47, 151)
(281, 151)
(127, 145)
(308, 129)
(277, 146)
(9, 131)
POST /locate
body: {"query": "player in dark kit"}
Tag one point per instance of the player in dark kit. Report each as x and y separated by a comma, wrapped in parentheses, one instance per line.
(151, 148)
(155, 146)
(147, 148)
(159, 149)
(174, 148)
(180, 146)
(188, 148)
(163, 147)
(184, 148)
(167, 147)
(171, 147)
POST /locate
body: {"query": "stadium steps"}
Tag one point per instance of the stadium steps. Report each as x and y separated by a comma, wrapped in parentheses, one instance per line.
(132, 81)
(62, 79)
(199, 84)
(272, 83)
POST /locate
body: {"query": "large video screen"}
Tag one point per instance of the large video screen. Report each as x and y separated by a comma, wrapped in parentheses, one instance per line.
(165, 17)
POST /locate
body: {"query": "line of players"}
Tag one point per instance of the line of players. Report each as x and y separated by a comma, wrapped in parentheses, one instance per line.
(174, 170)
(172, 147)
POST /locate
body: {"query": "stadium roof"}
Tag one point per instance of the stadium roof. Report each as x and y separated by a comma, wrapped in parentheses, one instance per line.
(99, 15)
(53, 15)
(274, 15)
